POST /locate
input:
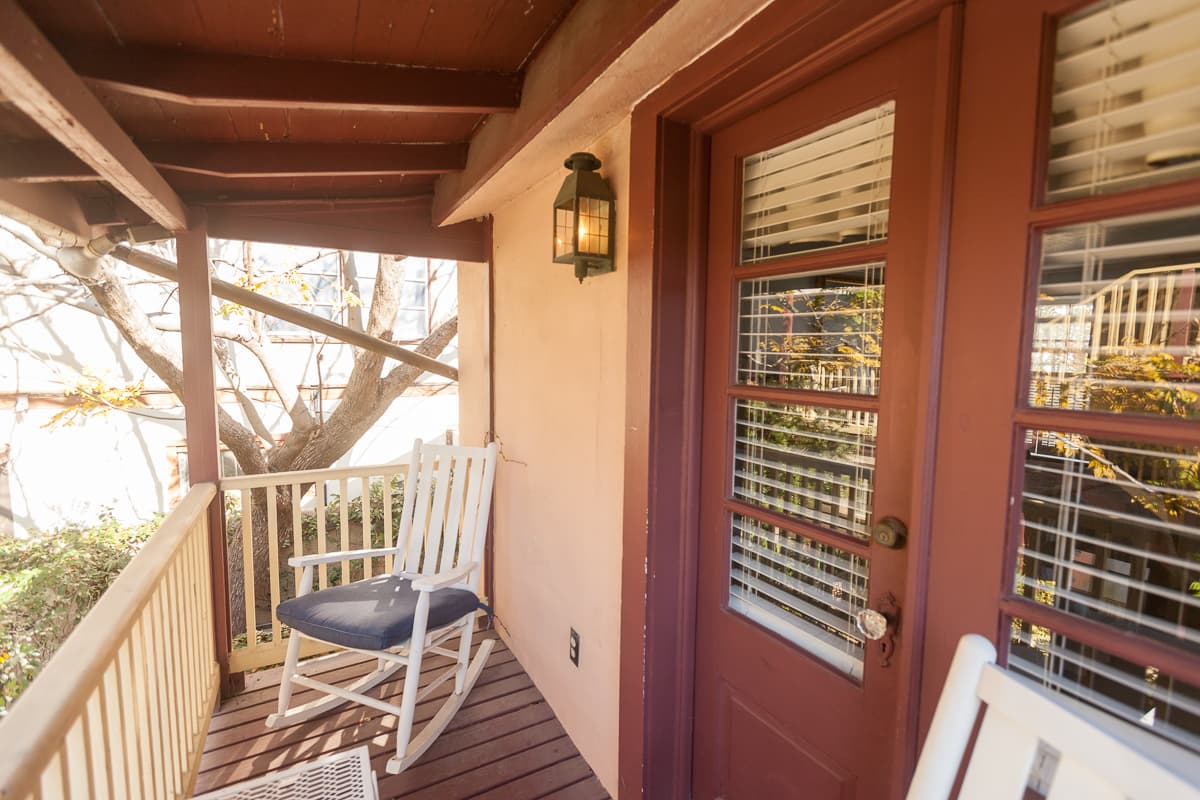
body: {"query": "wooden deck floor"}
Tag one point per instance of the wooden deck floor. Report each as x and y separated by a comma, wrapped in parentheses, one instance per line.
(504, 742)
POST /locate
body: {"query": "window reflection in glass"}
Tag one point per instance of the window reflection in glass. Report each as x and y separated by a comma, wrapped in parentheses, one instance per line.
(1111, 532)
(818, 331)
(1117, 325)
(809, 462)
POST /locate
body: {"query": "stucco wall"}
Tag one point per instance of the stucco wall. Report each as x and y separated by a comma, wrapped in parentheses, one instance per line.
(559, 384)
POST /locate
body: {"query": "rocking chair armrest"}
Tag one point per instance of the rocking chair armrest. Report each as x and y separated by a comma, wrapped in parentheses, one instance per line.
(342, 555)
(431, 583)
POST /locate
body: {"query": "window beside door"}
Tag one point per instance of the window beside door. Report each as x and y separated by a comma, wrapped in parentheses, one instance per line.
(1109, 528)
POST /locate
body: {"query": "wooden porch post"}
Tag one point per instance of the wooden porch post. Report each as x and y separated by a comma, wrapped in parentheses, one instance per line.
(200, 413)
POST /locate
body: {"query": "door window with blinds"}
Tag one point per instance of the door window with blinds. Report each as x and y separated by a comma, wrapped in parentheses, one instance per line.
(824, 190)
(819, 331)
(1110, 524)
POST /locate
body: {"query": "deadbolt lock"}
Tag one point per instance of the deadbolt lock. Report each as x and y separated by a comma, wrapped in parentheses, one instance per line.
(890, 532)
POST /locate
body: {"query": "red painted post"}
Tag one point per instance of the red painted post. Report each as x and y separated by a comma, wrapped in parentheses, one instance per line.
(200, 414)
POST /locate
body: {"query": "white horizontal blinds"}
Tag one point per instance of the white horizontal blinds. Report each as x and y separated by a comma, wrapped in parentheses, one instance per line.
(826, 189)
(1140, 693)
(1111, 532)
(806, 591)
(812, 463)
(1126, 101)
(1117, 326)
(818, 331)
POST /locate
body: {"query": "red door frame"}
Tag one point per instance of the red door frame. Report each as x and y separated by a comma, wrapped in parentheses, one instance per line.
(668, 219)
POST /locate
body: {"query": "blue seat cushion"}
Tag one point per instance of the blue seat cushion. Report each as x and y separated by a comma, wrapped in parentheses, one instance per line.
(372, 614)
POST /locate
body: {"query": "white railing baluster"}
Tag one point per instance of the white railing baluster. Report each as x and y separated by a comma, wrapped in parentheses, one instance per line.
(322, 546)
(388, 561)
(297, 532)
(114, 731)
(249, 600)
(344, 526)
(365, 488)
(273, 561)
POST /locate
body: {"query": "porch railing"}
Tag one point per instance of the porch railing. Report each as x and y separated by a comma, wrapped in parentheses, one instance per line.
(294, 513)
(122, 708)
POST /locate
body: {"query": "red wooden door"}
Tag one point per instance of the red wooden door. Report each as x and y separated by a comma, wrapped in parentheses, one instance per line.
(820, 326)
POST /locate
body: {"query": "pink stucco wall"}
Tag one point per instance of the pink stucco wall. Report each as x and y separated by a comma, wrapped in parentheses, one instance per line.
(559, 383)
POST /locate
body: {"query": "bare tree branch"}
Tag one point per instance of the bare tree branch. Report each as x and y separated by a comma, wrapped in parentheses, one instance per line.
(229, 368)
(164, 359)
(33, 243)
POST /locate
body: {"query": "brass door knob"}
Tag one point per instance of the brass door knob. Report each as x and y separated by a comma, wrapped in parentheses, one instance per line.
(890, 532)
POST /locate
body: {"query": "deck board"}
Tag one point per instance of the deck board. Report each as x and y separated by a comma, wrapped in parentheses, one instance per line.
(505, 741)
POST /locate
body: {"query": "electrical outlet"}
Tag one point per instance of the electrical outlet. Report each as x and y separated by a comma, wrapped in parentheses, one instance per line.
(573, 654)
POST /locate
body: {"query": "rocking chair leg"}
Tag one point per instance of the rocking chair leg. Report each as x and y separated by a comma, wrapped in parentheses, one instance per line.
(289, 670)
(412, 675)
(464, 656)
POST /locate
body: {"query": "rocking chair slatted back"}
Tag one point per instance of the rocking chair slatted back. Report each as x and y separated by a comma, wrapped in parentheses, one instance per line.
(442, 524)
(1098, 756)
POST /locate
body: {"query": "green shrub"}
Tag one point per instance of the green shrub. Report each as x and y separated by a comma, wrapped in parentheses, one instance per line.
(48, 582)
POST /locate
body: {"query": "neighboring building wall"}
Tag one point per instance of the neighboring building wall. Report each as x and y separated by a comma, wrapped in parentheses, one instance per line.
(126, 464)
(560, 400)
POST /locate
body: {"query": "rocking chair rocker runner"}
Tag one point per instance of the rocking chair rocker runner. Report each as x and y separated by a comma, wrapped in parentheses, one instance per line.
(430, 597)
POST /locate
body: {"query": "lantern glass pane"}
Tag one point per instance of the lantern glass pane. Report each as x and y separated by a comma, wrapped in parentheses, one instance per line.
(594, 218)
(564, 234)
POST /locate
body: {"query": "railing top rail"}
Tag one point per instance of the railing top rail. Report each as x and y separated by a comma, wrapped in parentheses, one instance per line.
(35, 728)
(1112, 285)
(265, 479)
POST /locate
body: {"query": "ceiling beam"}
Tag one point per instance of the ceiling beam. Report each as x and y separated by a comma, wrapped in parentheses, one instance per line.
(273, 159)
(116, 210)
(399, 231)
(41, 162)
(40, 83)
(240, 81)
(591, 38)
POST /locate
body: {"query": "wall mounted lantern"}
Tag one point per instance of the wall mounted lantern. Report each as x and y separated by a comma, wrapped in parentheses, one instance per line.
(583, 219)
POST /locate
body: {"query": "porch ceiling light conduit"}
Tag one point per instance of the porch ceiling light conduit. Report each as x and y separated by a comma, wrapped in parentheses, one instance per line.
(82, 262)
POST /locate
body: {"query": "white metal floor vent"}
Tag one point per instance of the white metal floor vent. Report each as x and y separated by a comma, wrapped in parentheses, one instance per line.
(341, 776)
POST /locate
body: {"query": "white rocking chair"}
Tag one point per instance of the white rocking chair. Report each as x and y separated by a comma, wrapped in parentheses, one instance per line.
(430, 596)
(1100, 757)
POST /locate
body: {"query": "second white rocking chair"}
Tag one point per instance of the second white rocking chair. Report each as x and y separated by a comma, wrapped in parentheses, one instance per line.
(430, 596)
